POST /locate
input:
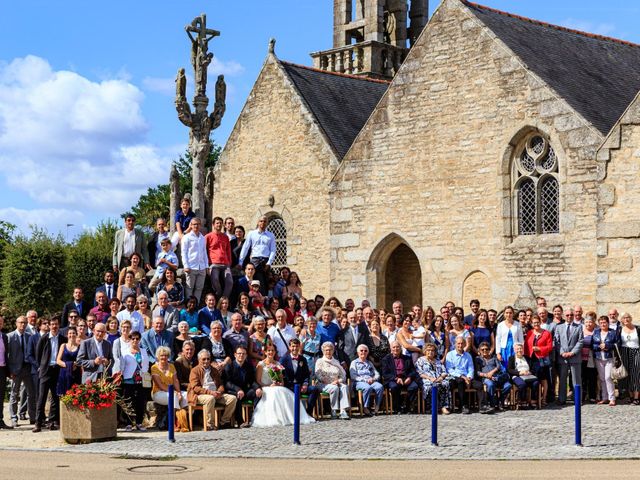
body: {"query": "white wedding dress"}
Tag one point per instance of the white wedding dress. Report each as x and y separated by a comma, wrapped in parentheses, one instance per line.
(276, 406)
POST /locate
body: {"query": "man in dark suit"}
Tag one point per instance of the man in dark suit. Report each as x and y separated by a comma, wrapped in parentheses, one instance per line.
(48, 371)
(95, 355)
(239, 378)
(348, 340)
(42, 325)
(4, 371)
(78, 304)
(156, 337)
(398, 373)
(20, 371)
(109, 287)
(296, 371)
(242, 284)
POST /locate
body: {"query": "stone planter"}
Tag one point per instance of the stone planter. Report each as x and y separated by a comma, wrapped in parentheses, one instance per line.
(87, 426)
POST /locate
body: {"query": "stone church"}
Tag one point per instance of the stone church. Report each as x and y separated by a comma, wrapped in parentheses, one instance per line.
(473, 154)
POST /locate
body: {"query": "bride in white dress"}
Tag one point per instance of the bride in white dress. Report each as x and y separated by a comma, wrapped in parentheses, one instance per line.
(276, 405)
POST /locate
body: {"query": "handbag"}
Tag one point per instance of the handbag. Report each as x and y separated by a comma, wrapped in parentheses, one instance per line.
(146, 380)
(618, 372)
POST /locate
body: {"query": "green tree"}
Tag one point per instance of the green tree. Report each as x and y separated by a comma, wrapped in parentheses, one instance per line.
(6, 236)
(89, 257)
(155, 203)
(34, 272)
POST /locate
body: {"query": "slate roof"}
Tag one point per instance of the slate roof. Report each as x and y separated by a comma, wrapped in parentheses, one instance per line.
(598, 76)
(340, 103)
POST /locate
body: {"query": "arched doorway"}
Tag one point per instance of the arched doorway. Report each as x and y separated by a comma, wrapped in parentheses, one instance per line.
(394, 273)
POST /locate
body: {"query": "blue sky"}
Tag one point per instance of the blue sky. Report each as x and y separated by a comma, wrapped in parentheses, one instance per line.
(87, 120)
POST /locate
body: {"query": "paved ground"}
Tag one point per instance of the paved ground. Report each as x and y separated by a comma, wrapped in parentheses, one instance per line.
(51, 465)
(547, 434)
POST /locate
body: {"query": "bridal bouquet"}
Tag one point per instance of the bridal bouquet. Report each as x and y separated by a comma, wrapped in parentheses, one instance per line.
(275, 373)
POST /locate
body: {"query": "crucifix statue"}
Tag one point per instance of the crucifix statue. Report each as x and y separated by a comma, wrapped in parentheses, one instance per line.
(200, 123)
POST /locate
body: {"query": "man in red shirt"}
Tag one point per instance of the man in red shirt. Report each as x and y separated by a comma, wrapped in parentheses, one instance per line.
(219, 253)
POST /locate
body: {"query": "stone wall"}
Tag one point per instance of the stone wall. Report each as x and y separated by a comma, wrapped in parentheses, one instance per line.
(432, 169)
(276, 148)
(618, 249)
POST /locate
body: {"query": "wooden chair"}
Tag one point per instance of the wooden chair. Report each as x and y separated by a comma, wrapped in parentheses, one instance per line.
(247, 408)
(515, 401)
(204, 416)
(472, 395)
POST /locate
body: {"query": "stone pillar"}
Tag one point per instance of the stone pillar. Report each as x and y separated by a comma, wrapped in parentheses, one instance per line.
(418, 16)
(174, 198)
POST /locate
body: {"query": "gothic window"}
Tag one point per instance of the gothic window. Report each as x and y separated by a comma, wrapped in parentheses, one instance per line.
(277, 226)
(536, 191)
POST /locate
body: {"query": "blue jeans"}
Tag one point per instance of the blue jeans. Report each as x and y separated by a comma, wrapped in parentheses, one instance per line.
(367, 389)
(492, 388)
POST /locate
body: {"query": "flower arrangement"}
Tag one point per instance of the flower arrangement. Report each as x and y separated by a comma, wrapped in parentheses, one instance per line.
(96, 395)
(275, 373)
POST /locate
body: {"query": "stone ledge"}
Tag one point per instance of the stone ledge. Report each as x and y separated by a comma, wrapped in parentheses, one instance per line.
(618, 295)
(618, 230)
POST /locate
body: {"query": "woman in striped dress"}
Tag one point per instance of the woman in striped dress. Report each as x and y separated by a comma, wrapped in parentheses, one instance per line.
(630, 352)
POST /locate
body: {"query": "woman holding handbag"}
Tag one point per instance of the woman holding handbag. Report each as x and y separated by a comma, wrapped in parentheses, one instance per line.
(134, 367)
(604, 343)
(538, 346)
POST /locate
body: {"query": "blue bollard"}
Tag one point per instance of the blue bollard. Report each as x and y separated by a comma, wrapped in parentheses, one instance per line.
(296, 414)
(434, 415)
(577, 401)
(170, 416)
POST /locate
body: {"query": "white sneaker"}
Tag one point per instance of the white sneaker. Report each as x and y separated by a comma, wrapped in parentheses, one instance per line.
(128, 428)
(141, 428)
(344, 415)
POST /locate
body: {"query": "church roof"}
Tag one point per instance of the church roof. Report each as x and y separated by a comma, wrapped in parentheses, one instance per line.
(598, 76)
(340, 103)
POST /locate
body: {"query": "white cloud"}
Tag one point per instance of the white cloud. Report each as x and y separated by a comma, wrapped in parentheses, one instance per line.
(589, 27)
(73, 144)
(55, 219)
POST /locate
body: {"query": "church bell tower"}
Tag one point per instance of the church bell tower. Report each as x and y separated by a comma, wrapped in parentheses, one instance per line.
(372, 37)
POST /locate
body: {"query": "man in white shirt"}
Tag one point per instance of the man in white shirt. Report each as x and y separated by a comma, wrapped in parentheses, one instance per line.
(194, 260)
(281, 333)
(260, 245)
(129, 313)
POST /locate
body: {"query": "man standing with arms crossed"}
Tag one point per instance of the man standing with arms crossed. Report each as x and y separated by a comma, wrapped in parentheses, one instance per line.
(260, 245)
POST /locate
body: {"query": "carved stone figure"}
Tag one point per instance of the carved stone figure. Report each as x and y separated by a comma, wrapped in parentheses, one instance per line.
(197, 118)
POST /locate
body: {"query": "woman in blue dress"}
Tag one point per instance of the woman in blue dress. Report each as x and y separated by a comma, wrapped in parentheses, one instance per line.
(310, 343)
(439, 337)
(66, 359)
(482, 333)
(508, 334)
(189, 314)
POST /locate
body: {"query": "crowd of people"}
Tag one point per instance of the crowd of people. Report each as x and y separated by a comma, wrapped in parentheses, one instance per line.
(252, 334)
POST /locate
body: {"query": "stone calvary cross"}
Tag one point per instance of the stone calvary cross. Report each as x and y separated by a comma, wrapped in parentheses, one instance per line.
(200, 123)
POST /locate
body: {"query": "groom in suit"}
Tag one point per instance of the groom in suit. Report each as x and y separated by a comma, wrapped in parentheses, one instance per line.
(296, 371)
(568, 338)
(95, 355)
(239, 378)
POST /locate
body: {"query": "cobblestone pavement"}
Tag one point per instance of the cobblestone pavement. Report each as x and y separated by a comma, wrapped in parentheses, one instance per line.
(547, 434)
